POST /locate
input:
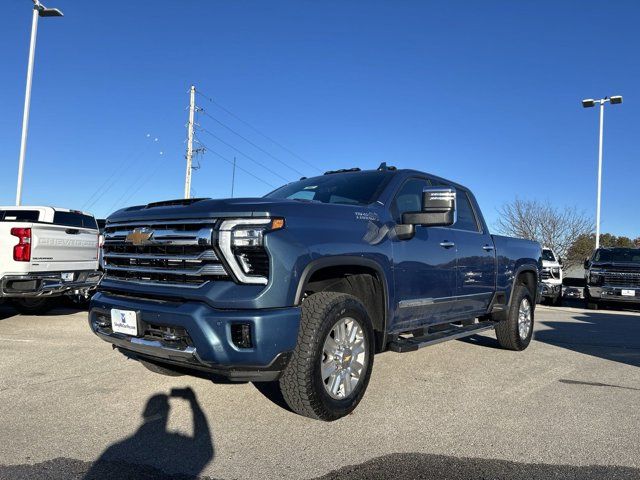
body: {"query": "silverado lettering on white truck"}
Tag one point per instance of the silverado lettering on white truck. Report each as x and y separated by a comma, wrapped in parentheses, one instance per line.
(306, 284)
(46, 252)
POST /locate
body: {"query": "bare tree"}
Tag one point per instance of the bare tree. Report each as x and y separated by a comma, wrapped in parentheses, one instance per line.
(551, 226)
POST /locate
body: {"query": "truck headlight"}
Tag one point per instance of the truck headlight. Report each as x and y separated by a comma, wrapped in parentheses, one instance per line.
(241, 243)
(595, 277)
(555, 271)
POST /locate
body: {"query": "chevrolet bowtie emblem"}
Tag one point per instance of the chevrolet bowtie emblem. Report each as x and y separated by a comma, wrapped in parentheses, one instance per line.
(140, 236)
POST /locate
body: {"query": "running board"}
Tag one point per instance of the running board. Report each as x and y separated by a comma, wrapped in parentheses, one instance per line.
(402, 345)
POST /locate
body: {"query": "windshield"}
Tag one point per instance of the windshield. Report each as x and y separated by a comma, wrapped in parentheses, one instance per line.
(618, 255)
(358, 188)
(548, 255)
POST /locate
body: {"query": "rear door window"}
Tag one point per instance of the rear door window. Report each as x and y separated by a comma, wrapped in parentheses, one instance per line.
(19, 215)
(75, 219)
(466, 218)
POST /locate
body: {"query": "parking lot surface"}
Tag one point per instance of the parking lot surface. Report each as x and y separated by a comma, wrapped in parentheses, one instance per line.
(567, 407)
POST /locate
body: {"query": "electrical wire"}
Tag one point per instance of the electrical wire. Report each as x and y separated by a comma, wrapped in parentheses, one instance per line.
(264, 135)
(116, 175)
(251, 143)
(207, 149)
(243, 154)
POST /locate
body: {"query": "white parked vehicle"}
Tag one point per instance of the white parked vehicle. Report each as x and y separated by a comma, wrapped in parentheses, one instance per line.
(551, 277)
(46, 252)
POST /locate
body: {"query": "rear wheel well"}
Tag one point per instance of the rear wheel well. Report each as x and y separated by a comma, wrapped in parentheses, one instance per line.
(359, 281)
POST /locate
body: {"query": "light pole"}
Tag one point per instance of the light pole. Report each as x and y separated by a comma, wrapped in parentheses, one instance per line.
(39, 10)
(588, 103)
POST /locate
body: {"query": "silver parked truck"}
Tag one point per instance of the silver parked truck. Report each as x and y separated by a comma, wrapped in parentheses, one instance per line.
(46, 252)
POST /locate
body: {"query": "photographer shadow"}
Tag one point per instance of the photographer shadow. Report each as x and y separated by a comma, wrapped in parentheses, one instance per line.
(153, 451)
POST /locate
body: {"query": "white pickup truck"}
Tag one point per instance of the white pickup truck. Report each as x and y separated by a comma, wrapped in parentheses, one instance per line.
(46, 252)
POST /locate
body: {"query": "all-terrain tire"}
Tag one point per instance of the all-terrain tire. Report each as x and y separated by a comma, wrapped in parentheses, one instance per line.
(507, 330)
(301, 382)
(34, 306)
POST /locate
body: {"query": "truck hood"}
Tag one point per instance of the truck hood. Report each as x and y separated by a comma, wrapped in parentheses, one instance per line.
(224, 208)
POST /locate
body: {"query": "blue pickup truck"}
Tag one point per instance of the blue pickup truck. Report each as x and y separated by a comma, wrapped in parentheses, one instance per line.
(304, 286)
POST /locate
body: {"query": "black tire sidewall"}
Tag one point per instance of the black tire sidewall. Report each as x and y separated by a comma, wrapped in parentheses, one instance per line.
(349, 307)
(521, 293)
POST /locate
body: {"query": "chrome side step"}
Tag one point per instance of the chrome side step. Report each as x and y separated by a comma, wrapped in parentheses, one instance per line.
(410, 344)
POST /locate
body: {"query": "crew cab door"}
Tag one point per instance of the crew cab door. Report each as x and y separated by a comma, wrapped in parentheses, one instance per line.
(424, 265)
(476, 266)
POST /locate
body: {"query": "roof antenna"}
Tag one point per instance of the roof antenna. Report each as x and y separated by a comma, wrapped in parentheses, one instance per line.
(383, 166)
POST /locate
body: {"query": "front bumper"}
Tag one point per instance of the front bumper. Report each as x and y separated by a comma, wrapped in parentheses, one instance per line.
(194, 336)
(613, 294)
(47, 283)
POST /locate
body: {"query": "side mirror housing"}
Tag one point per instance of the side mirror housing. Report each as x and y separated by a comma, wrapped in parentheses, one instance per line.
(438, 208)
(586, 263)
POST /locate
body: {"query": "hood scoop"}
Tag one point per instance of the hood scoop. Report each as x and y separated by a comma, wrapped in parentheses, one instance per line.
(178, 202)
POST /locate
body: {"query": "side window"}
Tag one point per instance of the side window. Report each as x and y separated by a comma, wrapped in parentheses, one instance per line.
(409, 197)
(466, 219)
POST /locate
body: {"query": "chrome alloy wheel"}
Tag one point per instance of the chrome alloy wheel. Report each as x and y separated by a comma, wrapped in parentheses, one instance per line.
(524, 318)
(344, 356)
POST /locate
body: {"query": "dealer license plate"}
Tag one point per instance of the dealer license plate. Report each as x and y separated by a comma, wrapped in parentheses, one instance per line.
(628, 293)
(124, 321)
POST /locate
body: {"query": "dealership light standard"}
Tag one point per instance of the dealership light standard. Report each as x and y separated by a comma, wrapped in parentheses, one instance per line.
(588, 103)
(39, 10)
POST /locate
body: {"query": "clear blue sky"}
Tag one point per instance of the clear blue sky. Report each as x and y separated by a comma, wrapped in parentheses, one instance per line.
(485, 93)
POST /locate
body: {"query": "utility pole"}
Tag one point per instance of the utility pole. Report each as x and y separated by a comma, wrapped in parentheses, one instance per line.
(233, 176)
(192, 112)
(39, 10)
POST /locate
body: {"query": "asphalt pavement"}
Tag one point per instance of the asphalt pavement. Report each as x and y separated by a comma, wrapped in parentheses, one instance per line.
(567, 407)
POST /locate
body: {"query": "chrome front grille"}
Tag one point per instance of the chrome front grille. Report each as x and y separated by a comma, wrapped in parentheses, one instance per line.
(622, 279)
(162, 252)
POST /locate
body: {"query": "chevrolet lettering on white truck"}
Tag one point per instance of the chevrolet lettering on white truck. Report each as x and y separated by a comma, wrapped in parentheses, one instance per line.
(46, 252)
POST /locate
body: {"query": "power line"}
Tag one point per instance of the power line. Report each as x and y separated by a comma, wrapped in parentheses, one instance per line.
(207, 149)
(117, 174)
(286, 149)
(251, 143)
(243, 154)
(119, 169)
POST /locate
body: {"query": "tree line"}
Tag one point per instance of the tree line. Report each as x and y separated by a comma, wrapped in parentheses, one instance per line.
(568, 231)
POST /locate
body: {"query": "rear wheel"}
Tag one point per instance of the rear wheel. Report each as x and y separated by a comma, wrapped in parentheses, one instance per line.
(34, 306)
(331, 365)
(515, 332)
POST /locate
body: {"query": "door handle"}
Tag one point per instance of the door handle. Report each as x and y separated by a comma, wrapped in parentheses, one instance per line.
(447, 244)
(488, 248)
(72, 231)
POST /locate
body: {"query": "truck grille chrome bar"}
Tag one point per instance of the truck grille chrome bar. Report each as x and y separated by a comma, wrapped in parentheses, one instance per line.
(176, 253)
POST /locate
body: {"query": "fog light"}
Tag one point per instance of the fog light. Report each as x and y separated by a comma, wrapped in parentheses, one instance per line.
(241, 335)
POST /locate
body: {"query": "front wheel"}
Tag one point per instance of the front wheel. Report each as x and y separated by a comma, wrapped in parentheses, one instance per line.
(331, 365)
(515, 332)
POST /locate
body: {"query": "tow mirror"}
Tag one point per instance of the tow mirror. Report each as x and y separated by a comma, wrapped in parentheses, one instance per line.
(438, 208)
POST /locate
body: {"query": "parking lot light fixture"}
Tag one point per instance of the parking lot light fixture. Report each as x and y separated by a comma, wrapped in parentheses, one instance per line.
(587, 103)
(39, 10)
